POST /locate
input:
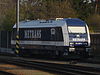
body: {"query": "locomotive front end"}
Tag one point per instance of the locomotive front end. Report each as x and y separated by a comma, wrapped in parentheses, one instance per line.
(79, 38)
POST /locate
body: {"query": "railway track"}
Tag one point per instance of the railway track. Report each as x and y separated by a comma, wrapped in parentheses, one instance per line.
(93, 61)
(89, 61)
(5, 73)
(53, 67)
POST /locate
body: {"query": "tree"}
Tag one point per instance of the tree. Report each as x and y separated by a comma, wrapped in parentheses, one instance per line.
(47, 9)
(84, 8)
(9, 20)
(7, 8)
(94, 23)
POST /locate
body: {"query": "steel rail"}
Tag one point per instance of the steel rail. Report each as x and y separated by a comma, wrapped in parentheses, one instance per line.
(56, 68)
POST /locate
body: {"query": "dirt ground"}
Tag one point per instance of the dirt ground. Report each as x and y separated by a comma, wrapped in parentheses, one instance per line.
(16, 70)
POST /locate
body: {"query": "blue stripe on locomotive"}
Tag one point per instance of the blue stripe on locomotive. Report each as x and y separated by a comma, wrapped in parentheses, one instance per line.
(74, 22)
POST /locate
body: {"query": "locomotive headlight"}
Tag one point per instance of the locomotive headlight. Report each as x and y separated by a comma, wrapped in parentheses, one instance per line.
(71, 49)
(71, 44)
(78, 43)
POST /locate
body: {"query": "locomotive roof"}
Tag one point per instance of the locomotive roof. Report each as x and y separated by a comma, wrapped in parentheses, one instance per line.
(40, 23)
(51, 23)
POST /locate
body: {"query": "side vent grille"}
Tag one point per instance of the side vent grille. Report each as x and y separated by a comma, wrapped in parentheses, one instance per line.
(46, 21)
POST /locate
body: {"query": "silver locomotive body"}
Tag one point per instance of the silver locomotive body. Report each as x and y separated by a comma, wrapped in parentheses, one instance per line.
(65, 37)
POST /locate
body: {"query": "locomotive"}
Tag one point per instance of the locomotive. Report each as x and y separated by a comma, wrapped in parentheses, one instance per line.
(66, 37)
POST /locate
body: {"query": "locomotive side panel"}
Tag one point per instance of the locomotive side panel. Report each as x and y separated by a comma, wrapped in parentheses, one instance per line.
(30, 37)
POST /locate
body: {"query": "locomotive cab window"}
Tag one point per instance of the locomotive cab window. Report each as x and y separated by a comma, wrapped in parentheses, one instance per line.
(77, 29)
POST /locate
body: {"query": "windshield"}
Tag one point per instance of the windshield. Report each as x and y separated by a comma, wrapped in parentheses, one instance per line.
(76, 29)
